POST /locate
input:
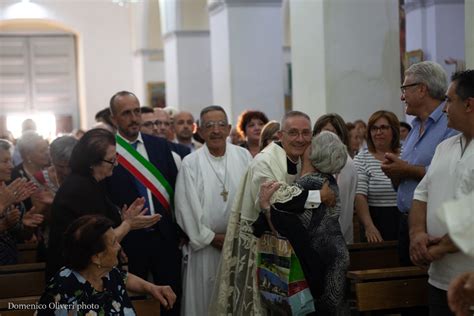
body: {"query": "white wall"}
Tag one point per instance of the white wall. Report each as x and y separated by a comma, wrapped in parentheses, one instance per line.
(362, 65)
(104, 47)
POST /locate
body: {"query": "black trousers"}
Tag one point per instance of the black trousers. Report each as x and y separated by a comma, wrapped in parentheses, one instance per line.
(151, 252)
(404, 241)
(438, 302)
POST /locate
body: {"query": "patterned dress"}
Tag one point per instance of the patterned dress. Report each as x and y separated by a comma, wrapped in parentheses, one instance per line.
(317, 239)
(68, 291)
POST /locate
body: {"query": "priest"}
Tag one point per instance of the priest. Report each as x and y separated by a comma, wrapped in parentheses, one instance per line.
(205, 188)
(236, 290)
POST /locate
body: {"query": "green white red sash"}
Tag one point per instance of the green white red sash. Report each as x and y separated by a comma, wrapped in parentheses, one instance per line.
(145, 172)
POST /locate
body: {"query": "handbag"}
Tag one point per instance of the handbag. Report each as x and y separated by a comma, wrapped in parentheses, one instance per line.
(282, 285)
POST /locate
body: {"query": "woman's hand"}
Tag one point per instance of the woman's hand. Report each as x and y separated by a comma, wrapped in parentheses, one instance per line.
(266, 191)
(32, 219)
(461, 294)
(43, 196)
(20, 189)
(164, 294)
(134, 215)
(372, 234)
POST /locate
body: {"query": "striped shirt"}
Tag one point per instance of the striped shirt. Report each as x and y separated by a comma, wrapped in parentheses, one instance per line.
(372, 182)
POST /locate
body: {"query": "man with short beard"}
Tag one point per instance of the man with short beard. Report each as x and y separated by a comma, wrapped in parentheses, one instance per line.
(153, 250)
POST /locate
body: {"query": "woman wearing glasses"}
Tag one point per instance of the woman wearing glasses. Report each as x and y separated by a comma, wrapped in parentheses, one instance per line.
(82, 192)
(376, 200)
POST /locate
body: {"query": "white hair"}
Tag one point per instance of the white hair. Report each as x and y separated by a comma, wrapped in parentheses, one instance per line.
(328, 153)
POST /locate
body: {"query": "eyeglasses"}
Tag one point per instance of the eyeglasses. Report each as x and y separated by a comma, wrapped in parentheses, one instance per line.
(149, 124)
(404, 87)
(293, 133)
(113, 162)
(212, 124)
(383, 128)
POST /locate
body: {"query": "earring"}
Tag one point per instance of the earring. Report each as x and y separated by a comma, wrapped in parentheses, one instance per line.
(99, 266)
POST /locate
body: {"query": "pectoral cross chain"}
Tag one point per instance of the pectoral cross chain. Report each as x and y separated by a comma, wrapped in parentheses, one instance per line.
(224, 194)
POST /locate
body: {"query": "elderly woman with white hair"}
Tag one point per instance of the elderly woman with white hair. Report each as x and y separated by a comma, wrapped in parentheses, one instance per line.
(315, 234)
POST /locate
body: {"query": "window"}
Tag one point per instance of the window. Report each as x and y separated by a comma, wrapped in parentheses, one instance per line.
(38, 80)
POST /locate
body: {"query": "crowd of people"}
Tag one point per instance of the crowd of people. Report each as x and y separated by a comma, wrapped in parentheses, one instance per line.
(182, 202)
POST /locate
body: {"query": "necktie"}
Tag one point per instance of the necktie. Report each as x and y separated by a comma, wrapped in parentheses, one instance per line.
(142, 190)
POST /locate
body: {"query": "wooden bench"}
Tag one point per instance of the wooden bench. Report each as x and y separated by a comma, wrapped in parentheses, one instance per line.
(20, 280)
(373, 255)
(390, 288)
(27, 253)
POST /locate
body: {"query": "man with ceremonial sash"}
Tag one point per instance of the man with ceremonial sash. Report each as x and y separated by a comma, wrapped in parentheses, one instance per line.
(146, 168)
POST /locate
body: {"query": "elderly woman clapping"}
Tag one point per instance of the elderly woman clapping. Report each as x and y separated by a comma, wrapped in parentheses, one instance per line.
(92, 160)
(90, 281)
(314, 233)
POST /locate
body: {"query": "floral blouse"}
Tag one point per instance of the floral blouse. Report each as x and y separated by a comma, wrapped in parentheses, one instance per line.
(69, 291)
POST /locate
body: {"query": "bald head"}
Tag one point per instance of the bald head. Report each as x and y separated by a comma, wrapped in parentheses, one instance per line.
(184, 127)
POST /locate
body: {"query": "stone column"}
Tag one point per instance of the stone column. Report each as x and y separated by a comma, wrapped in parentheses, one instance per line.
(187, 55)
(247, 56)
(345, 57)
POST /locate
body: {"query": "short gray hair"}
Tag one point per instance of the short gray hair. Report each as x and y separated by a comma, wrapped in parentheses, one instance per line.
(211, 108)
(28, 141)
(328, 153)
(61, 148)
(432, 75)
(293, 114)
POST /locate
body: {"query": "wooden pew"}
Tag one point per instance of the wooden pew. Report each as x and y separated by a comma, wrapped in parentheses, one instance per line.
(24, 283)
(27, 253)
(390, 288)
(20, 280)
(147, 307)
(373, 255)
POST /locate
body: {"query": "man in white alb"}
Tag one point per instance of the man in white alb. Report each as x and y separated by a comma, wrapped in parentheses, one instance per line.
(205, 188)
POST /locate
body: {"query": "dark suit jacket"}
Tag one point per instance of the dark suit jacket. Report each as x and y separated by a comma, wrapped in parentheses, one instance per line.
(181, 150)
(122, 189)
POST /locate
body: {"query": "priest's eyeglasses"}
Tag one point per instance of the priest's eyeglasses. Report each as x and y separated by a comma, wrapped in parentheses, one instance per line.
(294, 133)
(212, 124)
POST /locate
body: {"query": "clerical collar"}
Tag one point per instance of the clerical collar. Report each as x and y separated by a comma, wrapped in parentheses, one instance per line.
(291, 166)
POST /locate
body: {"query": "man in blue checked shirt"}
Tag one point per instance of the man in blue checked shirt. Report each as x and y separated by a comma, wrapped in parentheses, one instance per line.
(423, 92)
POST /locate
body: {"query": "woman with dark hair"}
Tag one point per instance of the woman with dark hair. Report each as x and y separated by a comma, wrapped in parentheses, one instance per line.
(376, 200)
(249, 126)
(90, 283)
(83, 192)
(347, 177)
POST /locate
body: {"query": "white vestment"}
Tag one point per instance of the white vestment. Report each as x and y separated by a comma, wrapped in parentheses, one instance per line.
(202, 212)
